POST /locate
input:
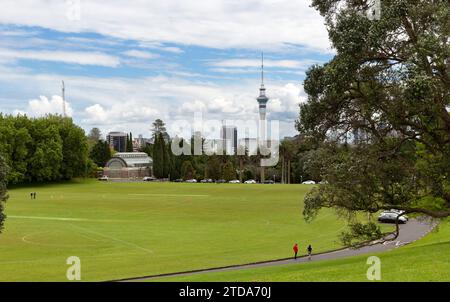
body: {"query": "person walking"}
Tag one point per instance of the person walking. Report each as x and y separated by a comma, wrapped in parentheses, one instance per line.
(295, 248)
(309, 251)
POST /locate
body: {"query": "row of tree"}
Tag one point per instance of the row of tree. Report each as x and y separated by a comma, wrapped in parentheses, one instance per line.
(49, 148)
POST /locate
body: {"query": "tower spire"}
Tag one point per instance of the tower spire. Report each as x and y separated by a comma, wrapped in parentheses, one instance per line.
(262, 69)
(64, 98)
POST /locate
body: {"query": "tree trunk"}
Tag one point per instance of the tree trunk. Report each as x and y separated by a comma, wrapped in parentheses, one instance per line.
(289, 172)
(262, 174)
(241, 170)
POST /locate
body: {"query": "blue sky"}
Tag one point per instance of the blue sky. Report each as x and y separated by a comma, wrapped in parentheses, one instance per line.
(130, 62)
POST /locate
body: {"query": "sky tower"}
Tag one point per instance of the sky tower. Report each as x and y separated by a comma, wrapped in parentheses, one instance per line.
(262, 98)
(262, 101)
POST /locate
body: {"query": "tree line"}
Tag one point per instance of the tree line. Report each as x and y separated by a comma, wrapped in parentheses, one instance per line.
(49, 148)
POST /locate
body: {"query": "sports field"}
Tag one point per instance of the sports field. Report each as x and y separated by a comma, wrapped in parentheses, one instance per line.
(121, 230)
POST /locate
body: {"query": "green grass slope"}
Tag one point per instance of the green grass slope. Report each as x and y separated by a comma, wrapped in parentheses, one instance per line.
(121, 230)
(425, 260)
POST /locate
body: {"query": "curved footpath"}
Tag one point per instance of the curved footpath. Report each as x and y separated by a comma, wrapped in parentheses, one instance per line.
(409, 232)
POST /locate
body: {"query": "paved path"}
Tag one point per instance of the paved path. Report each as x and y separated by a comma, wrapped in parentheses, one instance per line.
(409, 232)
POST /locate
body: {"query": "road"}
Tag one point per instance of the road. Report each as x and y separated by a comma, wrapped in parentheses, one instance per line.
(409, 232)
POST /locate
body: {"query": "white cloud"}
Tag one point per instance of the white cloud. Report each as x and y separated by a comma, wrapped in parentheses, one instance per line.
(140, 54)
(124, 112)
(72, 57)
(254, 24)
(131, 104)
(43, 106)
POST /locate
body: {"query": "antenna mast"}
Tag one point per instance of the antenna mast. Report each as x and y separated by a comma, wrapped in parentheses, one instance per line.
(262, 68)
(64, 99)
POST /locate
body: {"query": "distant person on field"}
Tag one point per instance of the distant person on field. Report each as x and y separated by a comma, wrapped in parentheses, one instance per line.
(295, 248)
(309, 251)
(31, 195)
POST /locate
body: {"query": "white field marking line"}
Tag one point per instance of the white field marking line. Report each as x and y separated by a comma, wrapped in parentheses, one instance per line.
(113, 238)
(26, 240)
(59, 218)
(174, 195)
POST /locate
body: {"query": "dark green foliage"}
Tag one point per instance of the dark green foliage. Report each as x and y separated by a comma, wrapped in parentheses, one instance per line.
(187, 170)
(50, 148)
(360, 232)
(213, 168)
(389, 81)
(100, 153)
(129, 142)
(229, 172)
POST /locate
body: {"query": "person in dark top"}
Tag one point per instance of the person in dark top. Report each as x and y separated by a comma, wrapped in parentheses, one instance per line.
(309, 251)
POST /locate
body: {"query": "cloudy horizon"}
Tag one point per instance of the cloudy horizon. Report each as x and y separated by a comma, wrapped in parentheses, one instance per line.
(127, 63)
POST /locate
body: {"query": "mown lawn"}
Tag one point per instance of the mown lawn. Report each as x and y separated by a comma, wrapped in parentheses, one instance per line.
(425, 260)
(121, 230)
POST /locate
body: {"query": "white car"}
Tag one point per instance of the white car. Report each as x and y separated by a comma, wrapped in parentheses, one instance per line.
(309, 182)
(250, 181)
(191, 180)
(104, 178)
(149, 178)
(236, 181)
(391, 216)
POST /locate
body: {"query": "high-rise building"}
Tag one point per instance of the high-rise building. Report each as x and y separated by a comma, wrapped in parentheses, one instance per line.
(117, 141)
(228, 134)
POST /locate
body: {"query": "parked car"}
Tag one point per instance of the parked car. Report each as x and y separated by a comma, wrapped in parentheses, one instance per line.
(191, 180)
(309, 182)
(205, 181)
(149, 178)
(391, 217)
(178, 180)
(221, 181)
(250, 181)
(235, 181)
(269, 182)
(104, 178)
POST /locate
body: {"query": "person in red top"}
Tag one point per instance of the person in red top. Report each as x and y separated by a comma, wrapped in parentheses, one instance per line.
(295, 248)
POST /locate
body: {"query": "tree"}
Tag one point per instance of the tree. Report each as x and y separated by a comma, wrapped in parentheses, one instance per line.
(213, 170)
(187, 170)
(100, 153)
(42, 149)
(95, 135)
(387, 92)
(158, 157)
(158, 127)
(3, 192)
(229, 173)
(242, 155)
(129, 142)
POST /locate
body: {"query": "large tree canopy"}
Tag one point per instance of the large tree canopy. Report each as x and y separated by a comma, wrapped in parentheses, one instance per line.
(386, 93)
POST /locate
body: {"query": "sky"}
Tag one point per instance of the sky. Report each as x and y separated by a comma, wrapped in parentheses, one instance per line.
(126, 63)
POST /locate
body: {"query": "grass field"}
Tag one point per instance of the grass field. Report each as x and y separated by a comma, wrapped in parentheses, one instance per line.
(425, 260)
(124, 230)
